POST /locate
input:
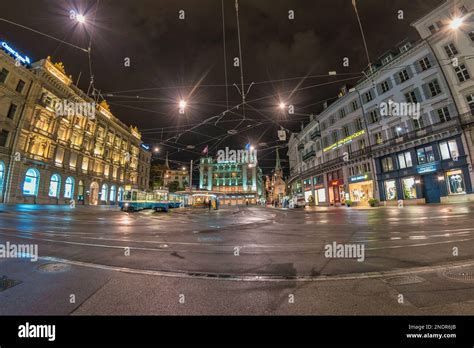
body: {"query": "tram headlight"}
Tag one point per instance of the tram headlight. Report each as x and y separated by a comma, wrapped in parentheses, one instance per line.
(126, 205)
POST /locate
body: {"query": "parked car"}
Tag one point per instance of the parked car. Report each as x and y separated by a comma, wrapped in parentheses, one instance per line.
(299, 201)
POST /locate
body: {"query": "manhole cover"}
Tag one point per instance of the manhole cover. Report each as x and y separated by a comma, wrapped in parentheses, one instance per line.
(404, 280)
(53, 267)
(461, 274)
(6, 283)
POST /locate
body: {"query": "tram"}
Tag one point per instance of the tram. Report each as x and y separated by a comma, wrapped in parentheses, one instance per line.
(158, 200)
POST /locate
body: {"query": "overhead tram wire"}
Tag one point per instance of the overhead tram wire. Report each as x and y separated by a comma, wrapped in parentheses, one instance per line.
(44, 34)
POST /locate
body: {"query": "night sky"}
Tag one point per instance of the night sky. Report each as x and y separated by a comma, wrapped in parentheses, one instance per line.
(173, 59)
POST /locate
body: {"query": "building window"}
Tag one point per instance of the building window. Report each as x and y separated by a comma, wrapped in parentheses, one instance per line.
(345, 131)
(85, 164)
(355, 106)
(20, 86)
(120, 194)
(410, 97)
(80, 191)
(470, 102)
(69, 187)
(409, 188)
(378, 138)
(390, 190)
(451, 50)
(444, 115)
(387, 164)
(12, 111)
(113, 190)
(3, 75)
(425, 64)
(455, 181)
(368, 96)
(449, 149)
(425, 155)
(434, 87)
(104, 191)
(471, 36)
(432, 29)
(374, 117)
(418, 123)
(54, 186)
(2, 175)
(403, 76)
(385, 86)
(362, 144)
(404, 160)
(462, 73)
(359, 125)
(4, 138)
(30, 184)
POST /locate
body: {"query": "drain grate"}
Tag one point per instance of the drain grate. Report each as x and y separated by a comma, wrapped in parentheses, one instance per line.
(460, 274)
(6, 283)
(53, 267)
(404, 280)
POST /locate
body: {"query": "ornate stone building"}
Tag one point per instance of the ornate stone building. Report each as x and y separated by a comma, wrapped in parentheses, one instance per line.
(49, 158)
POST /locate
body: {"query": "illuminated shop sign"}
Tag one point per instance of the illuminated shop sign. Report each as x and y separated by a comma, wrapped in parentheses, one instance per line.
(344, 141)
(18, 57)
(145, 147)
(427, 168)
(359, 178)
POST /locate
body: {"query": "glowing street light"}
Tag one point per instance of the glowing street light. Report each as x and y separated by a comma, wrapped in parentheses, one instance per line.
(156, 149)
(80, 18)
(182, 105)
(456, 23)
(252, 147)
(282, 105)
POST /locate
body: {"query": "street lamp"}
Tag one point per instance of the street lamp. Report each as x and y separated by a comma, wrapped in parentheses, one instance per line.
(156, 149)
(456, 23)
(80, 18)
(282, 105)
(182, 105)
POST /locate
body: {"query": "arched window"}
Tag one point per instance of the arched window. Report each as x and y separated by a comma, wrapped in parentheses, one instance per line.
(2, 175)
(120, 194)
(80, 191)
(113, 191)
(103, 195)
(31, 182)
(54, 184)
(69, 187)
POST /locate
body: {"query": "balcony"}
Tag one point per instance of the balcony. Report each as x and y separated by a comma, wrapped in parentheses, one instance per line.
(315, 134)
(308, 155)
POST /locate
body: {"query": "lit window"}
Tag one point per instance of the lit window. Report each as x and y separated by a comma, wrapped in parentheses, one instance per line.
(112, 193)
(54, 186)
(409, 188)
(69, 187)
(387, 164)
(390, 190)
(404, 160)
(30, 184)
(2, 174)
(103, 196)
(80, 191)
(449, 149)
(425, 155)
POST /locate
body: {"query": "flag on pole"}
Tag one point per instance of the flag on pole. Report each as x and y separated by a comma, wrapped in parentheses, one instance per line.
(206, 150)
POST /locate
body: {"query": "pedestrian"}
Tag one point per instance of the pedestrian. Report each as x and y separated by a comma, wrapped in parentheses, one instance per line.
(210, 204)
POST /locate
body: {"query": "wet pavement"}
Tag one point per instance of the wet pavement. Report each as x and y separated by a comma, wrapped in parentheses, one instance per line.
(139, 263)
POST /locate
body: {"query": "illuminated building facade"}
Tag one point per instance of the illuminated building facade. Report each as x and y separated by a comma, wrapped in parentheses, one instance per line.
(47, 158)
(239, 181)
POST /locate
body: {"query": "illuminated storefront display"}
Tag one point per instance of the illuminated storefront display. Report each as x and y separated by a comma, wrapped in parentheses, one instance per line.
(390, 190)
(455, 181)
(409, 188)
(361, 187)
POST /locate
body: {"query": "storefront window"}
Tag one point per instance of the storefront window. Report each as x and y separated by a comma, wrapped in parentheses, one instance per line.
(390, 190)
(449, 149)
(425, 155)
(321, 195)
(455, 181)
(409, 188)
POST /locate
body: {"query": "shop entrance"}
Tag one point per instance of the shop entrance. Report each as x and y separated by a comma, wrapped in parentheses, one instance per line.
(431, 190)
(362, 191)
